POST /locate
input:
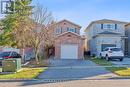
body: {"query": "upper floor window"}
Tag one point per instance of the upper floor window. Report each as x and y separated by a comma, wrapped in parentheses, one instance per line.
(71, 30)
(58, 30)
(109, 26)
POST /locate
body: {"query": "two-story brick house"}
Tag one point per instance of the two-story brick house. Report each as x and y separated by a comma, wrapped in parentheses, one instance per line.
(104, 33)
(68, 42)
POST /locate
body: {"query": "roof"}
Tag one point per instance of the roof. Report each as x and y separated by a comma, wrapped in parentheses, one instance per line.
(71, 33)
(106, 21)
(69, 22)
(108, 32)
(109, 21)
(127, 24)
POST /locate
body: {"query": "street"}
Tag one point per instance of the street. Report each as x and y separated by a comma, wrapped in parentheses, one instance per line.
(76, 83)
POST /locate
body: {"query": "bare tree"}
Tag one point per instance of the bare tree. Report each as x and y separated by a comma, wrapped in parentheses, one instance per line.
(41, 35)
(35, 32)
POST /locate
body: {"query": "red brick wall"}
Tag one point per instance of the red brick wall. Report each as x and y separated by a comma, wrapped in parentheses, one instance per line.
(69, 38)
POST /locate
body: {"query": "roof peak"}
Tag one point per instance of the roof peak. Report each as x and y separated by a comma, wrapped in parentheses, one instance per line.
(69, 22)
(110, 20)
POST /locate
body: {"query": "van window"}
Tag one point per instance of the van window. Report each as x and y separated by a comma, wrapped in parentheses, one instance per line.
(106, 49)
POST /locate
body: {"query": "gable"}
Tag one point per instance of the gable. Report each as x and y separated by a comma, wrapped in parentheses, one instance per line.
(69, 34)
(66, 22)
(104, 21)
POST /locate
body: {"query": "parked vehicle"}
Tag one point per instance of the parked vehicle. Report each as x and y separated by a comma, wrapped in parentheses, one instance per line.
(110, 53)
(9, 54)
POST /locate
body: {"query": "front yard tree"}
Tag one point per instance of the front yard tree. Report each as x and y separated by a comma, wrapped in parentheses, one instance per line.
(40, 35)
(15, 21)
(26, 29)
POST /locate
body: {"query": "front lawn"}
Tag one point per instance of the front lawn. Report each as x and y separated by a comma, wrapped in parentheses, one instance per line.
(101, 62)
(25, 73)
(121, 71)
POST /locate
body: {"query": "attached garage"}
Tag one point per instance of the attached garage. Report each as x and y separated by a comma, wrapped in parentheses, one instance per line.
(69, 46)
(69, 51)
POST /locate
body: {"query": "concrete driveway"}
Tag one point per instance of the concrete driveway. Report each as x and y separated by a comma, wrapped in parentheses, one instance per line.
(71, 69)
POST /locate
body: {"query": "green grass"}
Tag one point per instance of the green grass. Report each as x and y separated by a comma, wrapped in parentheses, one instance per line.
(25, 73)
(114, 69)
(121, 71)
(101, 62)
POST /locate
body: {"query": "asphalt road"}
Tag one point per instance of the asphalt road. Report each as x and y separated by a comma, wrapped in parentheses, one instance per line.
(76, 83)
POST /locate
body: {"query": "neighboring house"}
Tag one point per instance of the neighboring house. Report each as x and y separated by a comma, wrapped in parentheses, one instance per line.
(104, 33)
(127, 41)
(68, 42)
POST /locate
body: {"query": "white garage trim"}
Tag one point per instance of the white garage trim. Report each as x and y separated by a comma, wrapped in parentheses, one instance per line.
(69, 51)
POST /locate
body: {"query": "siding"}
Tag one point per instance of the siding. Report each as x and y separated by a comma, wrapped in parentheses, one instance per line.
(95, 43)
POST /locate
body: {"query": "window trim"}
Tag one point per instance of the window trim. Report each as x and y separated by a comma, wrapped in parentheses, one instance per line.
(109, 26)
(74, 30)
(58, 31)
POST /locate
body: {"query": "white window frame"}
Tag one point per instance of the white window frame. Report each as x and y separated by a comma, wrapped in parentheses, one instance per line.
(58, 31)
(109, 26)
(71, 30)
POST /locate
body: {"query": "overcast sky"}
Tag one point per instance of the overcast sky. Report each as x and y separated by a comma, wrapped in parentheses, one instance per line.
(83, 12)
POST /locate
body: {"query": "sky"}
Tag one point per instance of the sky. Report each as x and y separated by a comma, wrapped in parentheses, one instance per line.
(83, 12)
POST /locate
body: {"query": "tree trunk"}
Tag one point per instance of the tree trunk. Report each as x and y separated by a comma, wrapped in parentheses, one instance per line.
(23, 55)
(36, 57)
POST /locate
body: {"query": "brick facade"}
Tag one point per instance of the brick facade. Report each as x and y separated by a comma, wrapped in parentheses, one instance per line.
(69, 38)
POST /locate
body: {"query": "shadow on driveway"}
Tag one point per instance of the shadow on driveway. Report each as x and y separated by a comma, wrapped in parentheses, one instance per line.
(69, 70)
(72, 69)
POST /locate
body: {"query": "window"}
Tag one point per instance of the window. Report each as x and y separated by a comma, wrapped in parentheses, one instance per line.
(4, 54)
(14, 54)
(109, 26)
(71, 30)
(58, 31)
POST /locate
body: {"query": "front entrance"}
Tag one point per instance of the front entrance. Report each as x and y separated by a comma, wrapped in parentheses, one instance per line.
(69, 51)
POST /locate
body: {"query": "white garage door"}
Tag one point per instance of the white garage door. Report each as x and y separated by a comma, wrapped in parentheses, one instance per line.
(69, 51)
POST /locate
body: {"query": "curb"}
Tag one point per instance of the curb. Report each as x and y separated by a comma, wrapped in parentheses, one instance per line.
(120, 78)
(62, 80)
(16, 80)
